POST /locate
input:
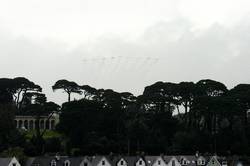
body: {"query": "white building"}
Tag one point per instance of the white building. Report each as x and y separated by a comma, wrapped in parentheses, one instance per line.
(29, 122)
(9, 162)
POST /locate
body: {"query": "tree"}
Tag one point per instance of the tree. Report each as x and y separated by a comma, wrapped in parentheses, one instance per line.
(128, 100)
(159, 97)
(68, 86)
(241, 95)
(185, 92)
(206, 94)
(6, 90)
(213, 118)
(88, 92)
(37, 106)
(17, 89)
(22, 87)
(210, 88)
(7, 114)
(86, 112)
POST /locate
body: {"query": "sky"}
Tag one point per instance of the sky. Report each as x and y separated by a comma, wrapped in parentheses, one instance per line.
(124, 44)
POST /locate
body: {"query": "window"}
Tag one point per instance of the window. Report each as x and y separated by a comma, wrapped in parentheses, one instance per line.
(103, 162)
(67, 163)
(159, 162)
(14, 164)
(224, 163)
(122, 162)
(140, 162)
(213, 162)
(184, 162)
(201, 162)
(173, 163)
(53, 163)
(85, 164)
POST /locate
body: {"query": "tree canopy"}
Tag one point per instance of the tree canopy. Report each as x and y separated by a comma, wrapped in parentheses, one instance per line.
(167, 117)
(68, 86)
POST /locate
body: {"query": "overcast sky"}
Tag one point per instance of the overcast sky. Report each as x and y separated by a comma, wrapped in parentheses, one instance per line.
(124, 44)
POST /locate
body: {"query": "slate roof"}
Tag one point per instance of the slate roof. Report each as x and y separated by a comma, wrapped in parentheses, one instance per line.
(130, 160)
(168, 158)
(5, 161)
(219, 159)
(113, 160)
(191, 159)
(150, 160)
(29, 161)
(96, 159)
(45, 161)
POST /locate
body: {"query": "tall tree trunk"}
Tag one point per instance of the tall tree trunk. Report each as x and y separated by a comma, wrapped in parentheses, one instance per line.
(185, 115)
(138, 145)
(23, 96)
(128, 147)
(69, 96)
(18, 98)
(38, 138)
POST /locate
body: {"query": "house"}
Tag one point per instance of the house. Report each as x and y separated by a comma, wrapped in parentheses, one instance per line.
(217, 161)
(85, 161)
(155, 161)
(9, 162)
(125, 161)
(201, 161)
(100, 161)
(172, 161)
(55, 161)
(120, 161)
(140, 161)
(187, 160)
(179, 160)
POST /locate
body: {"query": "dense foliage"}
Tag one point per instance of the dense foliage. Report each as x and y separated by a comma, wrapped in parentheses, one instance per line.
(176, 118)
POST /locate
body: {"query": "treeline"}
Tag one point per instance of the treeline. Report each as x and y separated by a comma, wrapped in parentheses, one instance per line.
(173, 118)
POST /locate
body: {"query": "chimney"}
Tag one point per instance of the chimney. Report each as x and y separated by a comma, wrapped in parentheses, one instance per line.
(57, 156)
(197, 154)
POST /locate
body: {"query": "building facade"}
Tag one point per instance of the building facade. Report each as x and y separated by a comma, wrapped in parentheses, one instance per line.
(28, 122)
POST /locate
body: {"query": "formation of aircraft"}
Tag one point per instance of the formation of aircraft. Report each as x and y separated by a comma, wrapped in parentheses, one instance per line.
(116, 65)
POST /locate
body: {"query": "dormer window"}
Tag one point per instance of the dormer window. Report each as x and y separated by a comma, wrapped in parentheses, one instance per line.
(122, 162)
(103, 162)
(159, 162)
(140, 162)
(53, 163)
(67, 163)
(213, 162)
